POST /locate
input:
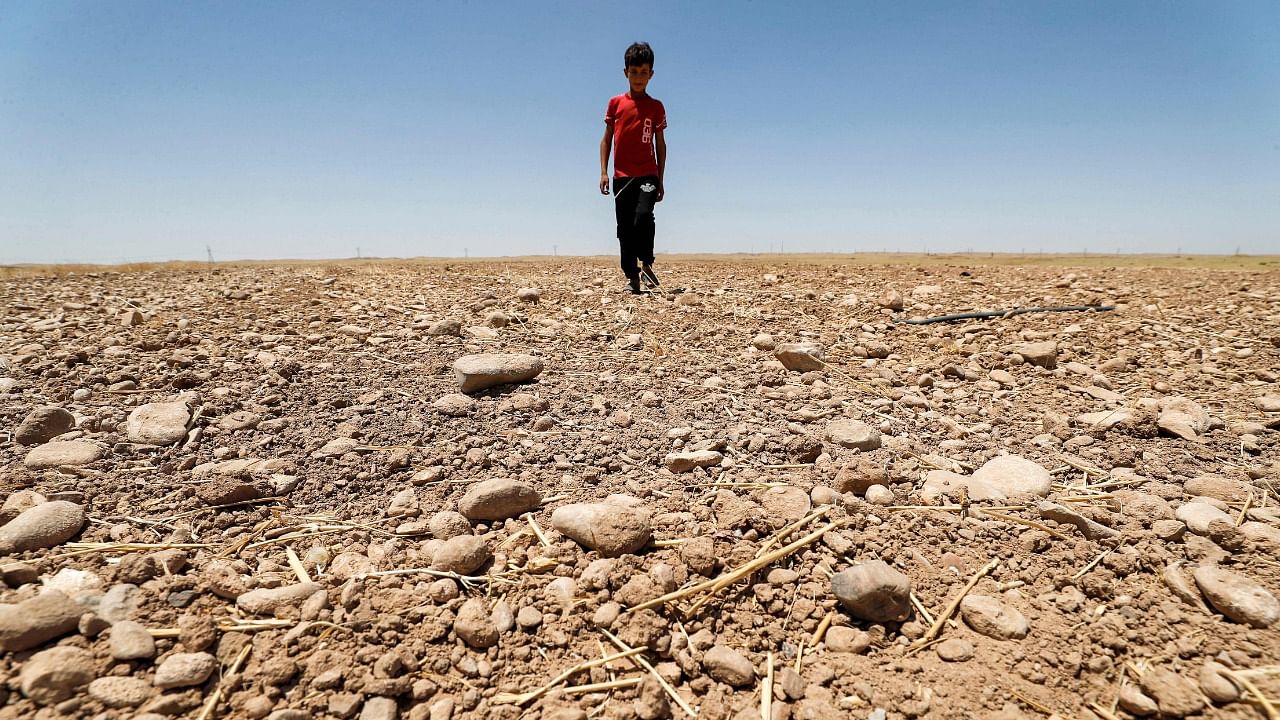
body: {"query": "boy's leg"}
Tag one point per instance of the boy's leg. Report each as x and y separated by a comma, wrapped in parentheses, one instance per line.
(624, 199)
(643, 222)
(645, 227)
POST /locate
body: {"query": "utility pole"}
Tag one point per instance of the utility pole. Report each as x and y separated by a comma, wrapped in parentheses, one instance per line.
(209, 251)
(555, 251)
(357, 252)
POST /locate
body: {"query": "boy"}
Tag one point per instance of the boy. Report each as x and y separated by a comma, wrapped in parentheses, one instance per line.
(633, 126)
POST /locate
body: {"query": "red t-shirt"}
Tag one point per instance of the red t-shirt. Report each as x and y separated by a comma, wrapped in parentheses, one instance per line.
(634, 121)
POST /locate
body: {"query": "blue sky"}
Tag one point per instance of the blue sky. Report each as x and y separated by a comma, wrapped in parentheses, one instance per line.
(149, 130)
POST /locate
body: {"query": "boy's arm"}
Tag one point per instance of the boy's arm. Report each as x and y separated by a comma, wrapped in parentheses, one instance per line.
(606, 144)
(660, 144)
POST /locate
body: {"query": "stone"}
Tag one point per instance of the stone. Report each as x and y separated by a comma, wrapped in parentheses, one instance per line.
(683, 462)
(228, 490)
(17, 574)
(1218, 487)
(860, 474)
(764, 342)
(529, 295)
(120, 692)
(184, 670)
(874, 591)
(1215, 684)
(1236, 596)
(447, 524)
(71, 453)
(1065, 515)
(445, 328)
(955, 650)
(347, 565)
(463, 554)
(43, 424)
(993, 618)
(159, 423)
(1041, 354)
(53, 675)
(379, 708)
(844, 639)
(880, 495)
(498, 500)
(854, 434)
(266, 601)
(785, 503)
(19, 502)
(474, 625)
(36, 620)
(239, 420)
(1199, 516)
(1182, 418)
(1106, 419)
(1262, 533)
(608, 528)
(454, 404)
(1175, 695)
(336, 448)
(43, 526)
(530, 617)
(1003, 377)
(1135, 702)
(801, 357)
(478, 372)
(131, 641)
(891, 299)
(1014, 475)
(1268, 403)
(728, 666)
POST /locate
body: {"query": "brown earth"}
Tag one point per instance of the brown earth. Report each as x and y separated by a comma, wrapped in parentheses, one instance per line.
(324, 379)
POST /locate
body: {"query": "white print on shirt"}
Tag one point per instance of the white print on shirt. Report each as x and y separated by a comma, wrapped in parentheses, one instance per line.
(648, 131)
(648, 187)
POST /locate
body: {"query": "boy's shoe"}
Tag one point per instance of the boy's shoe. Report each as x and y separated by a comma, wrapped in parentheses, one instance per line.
(633, 285)
(647, 273)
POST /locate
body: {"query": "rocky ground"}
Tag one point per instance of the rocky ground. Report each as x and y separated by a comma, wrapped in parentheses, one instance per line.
(449, 490)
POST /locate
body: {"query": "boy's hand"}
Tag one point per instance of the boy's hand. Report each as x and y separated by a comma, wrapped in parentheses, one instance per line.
(661, 191)
(604, 184)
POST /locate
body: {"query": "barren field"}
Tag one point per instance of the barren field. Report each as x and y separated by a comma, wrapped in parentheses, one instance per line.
(501, 489)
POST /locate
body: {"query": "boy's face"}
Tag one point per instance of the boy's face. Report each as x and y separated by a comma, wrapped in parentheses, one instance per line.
(638, 76)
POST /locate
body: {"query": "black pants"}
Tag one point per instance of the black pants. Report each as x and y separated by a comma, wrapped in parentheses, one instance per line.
(633, 199)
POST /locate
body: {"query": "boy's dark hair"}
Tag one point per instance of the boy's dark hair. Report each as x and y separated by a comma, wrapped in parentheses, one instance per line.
(639, 54)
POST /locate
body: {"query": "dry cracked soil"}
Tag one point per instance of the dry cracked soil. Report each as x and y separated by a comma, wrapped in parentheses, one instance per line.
(501, 489)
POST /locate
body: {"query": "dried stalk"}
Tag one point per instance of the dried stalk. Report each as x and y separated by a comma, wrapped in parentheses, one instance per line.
(766, 690)
(81, 548)
(1085, 570)
(1019, 521)
(639, 660)
(1253, 689)
(296, 564)
(597, 687)
(1102, 712)
(920, 608)
(936, 627)
(733, 576)
(784, 532)
(505, 698)
(1244, 510)
(533, 525)
(207, 711)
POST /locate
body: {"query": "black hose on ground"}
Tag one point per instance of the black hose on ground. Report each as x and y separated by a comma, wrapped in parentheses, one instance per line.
(1004, 313)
